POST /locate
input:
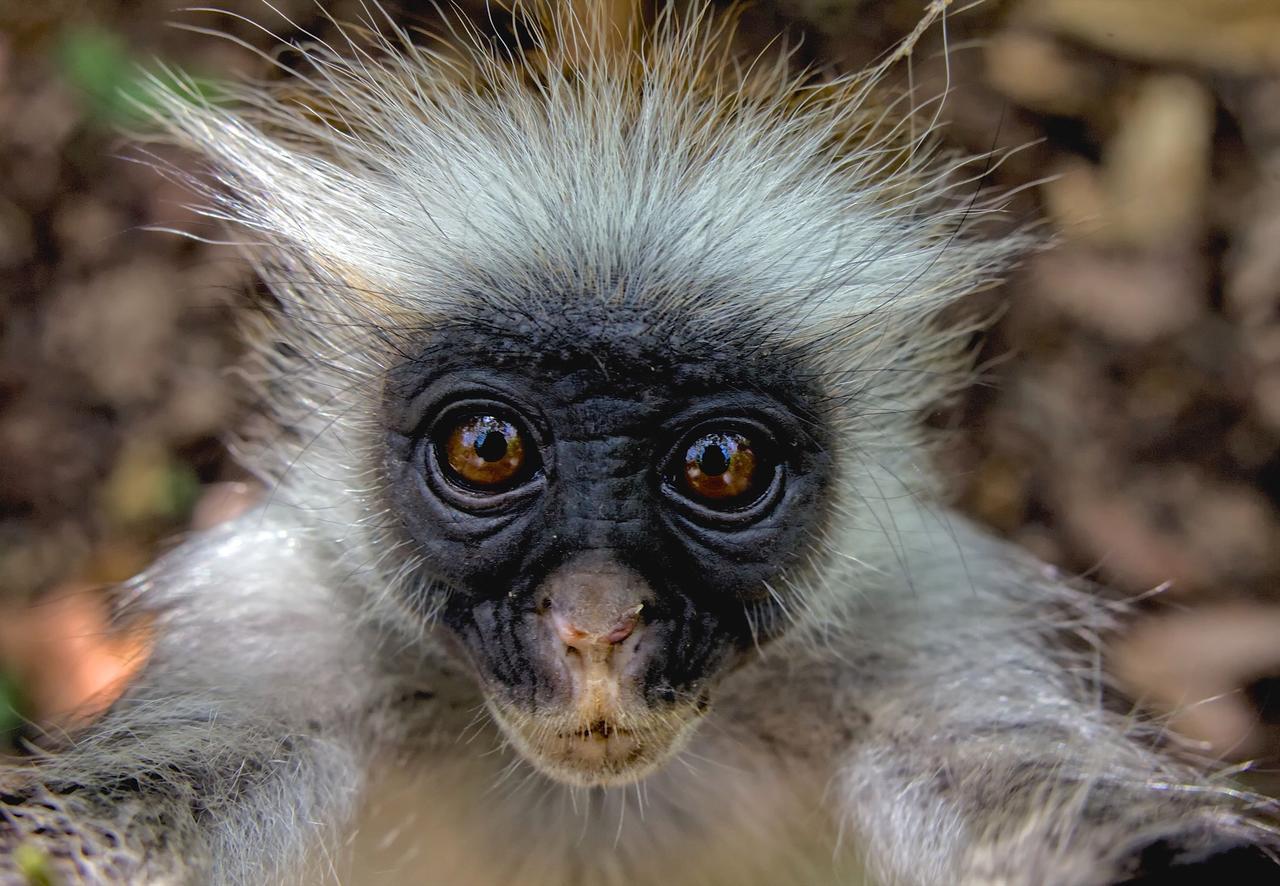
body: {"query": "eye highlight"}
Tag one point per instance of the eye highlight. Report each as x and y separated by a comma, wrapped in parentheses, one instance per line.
(484, 452)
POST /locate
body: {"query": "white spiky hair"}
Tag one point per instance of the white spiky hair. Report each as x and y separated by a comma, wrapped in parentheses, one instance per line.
(390, 182)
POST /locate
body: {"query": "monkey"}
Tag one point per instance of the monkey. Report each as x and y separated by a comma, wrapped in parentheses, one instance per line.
(603, 543)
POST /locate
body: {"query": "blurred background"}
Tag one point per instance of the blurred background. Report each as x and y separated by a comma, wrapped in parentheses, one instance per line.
(1126, 424)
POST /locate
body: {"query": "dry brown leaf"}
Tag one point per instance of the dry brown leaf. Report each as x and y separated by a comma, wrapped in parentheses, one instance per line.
(1132, 297)
(1077, 201)
(1194, 666)
(1241, 36)
(221, 502)
(1157, 165)
(1037, 73)
(1168, 525)
(66, 655)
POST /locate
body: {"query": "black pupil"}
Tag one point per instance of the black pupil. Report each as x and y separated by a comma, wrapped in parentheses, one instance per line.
(714, 461)
(491, 445)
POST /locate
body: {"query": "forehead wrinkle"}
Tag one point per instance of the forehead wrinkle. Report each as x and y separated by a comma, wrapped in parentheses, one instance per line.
(565, 345)
(557, 325)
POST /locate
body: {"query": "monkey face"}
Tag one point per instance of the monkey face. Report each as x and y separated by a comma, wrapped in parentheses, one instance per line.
(611, 512)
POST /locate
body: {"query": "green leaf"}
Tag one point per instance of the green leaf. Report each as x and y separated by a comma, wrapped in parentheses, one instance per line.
(11, 707)
(117, 89)
(35, 866)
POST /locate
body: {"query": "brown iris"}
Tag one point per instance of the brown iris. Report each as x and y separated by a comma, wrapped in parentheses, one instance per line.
(485, 451)
(721, 467)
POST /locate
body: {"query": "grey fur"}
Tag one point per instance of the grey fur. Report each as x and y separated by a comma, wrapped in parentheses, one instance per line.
(922, 721)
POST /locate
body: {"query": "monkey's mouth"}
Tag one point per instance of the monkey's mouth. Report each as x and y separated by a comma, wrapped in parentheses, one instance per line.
(600, 751)
(599, 754)
(600, 730)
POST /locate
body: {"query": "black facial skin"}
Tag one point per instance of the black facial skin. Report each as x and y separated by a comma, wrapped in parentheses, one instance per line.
(605, 411)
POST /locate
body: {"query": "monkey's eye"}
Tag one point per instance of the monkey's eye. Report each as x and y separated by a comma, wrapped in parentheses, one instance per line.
(723, 469)
(484, 453)
(720, 467)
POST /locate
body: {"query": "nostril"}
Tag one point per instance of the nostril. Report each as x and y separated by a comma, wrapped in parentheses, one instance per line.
(576, 639)
(573, 637)
(624, 628)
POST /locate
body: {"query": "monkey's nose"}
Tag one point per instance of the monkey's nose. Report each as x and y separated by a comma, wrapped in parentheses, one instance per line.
(584, 640)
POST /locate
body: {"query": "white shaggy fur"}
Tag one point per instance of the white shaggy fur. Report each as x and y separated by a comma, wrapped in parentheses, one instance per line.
(922, 720)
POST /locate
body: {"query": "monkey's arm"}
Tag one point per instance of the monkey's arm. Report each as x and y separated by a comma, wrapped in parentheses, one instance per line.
(988, 756)
(241, 742)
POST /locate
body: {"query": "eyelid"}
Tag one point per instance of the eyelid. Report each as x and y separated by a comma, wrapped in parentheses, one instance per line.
(778, 419)
(424, 408)
(686, 434)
